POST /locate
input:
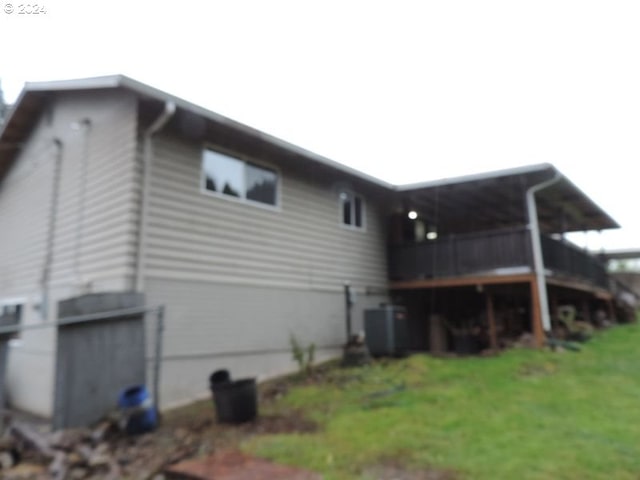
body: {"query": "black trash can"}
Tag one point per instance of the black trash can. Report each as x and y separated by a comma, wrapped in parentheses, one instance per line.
(219, 377)
(235, 401)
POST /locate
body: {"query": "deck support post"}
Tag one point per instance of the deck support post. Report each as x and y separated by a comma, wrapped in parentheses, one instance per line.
(586, 313)
(491, 318)
(554, 304)
(536, 315)
(612, 312)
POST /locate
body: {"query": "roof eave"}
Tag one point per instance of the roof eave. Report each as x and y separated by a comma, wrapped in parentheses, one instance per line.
(122, 81)
(476, 177)
(148, 91)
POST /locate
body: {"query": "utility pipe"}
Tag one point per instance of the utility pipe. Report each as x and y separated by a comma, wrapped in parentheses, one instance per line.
(536, 245)
(157, 357)
(348, 300)
(53, 214)
(147, 157)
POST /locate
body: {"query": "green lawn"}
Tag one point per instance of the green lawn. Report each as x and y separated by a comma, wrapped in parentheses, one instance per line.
(523, 415)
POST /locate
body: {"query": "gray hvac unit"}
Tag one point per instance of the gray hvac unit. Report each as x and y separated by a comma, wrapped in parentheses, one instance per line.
(386, 330)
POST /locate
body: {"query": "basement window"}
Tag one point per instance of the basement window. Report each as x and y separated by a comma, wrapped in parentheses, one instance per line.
(352, 209)
(232, 177)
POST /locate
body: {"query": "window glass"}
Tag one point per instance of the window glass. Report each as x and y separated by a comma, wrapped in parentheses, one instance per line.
(236, 178)
(346, 208)
(224, 174)
(262, 184)
(357, 204)
(352, 209)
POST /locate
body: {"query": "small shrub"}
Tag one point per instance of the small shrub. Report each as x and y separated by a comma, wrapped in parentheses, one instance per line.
(303, 357)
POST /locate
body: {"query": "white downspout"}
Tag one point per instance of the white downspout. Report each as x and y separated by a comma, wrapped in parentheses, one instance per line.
(538, 263)
(147, 157)
(51, 228)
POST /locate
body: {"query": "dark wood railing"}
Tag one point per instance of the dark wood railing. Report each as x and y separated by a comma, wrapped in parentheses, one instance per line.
(485, 252)
(456, 255)
(566, 258)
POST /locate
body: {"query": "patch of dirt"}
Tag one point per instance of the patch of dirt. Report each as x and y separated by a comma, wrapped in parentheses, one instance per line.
(291, 422)
(320, 374)
(188, 433)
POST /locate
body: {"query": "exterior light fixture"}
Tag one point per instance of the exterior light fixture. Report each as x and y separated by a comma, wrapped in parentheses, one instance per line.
(432, 235)
(413, 215)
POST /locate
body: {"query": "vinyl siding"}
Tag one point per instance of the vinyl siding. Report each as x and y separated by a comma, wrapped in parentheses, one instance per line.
(96, 229)
(94, 235)
(237, 279)
(25, 196)
(301, 244)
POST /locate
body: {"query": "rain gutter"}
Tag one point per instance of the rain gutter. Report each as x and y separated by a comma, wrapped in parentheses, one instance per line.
(147, 160)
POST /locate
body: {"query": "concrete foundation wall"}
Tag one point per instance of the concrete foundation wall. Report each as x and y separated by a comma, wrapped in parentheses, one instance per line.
(245, 329)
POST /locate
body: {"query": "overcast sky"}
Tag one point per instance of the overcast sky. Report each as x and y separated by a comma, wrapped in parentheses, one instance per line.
(404, 91)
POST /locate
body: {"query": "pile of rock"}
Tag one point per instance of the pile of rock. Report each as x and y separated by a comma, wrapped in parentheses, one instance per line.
(104, 452)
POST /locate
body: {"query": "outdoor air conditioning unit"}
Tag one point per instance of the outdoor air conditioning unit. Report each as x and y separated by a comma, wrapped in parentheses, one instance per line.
(386, 330)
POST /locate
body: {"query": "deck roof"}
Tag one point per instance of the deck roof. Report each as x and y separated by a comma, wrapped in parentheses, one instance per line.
(494, 200)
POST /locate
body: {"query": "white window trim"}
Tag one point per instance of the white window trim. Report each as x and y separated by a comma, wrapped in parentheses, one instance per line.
(13, 301)
(363, 203)
(240, 200)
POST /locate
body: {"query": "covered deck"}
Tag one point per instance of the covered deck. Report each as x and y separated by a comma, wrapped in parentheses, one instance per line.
(462, 253)
(493, 253)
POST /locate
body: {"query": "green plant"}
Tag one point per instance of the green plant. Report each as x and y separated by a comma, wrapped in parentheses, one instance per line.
(303, 357)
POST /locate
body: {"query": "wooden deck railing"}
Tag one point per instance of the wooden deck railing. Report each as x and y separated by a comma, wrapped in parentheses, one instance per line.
(568, 259)
(487, 252)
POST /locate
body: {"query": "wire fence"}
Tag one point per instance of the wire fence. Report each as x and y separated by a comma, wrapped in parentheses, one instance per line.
(153, 327)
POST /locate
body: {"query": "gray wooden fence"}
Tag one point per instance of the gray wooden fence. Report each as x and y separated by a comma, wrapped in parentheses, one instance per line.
(101, 349)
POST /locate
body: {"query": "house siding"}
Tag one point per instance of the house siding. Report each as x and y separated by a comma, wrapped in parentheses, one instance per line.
(95, 224)
(237, 279)
(25, 195)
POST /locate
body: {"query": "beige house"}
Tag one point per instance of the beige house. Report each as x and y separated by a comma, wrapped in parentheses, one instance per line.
(109, 185)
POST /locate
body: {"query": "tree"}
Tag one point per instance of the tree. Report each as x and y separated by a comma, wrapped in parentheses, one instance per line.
(4, 108)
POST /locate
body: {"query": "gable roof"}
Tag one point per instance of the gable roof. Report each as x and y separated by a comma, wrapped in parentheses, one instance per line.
(487, 187)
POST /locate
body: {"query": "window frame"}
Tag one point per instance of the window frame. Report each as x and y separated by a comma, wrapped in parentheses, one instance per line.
(363, 210)
(245, 160)
(20, 303)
